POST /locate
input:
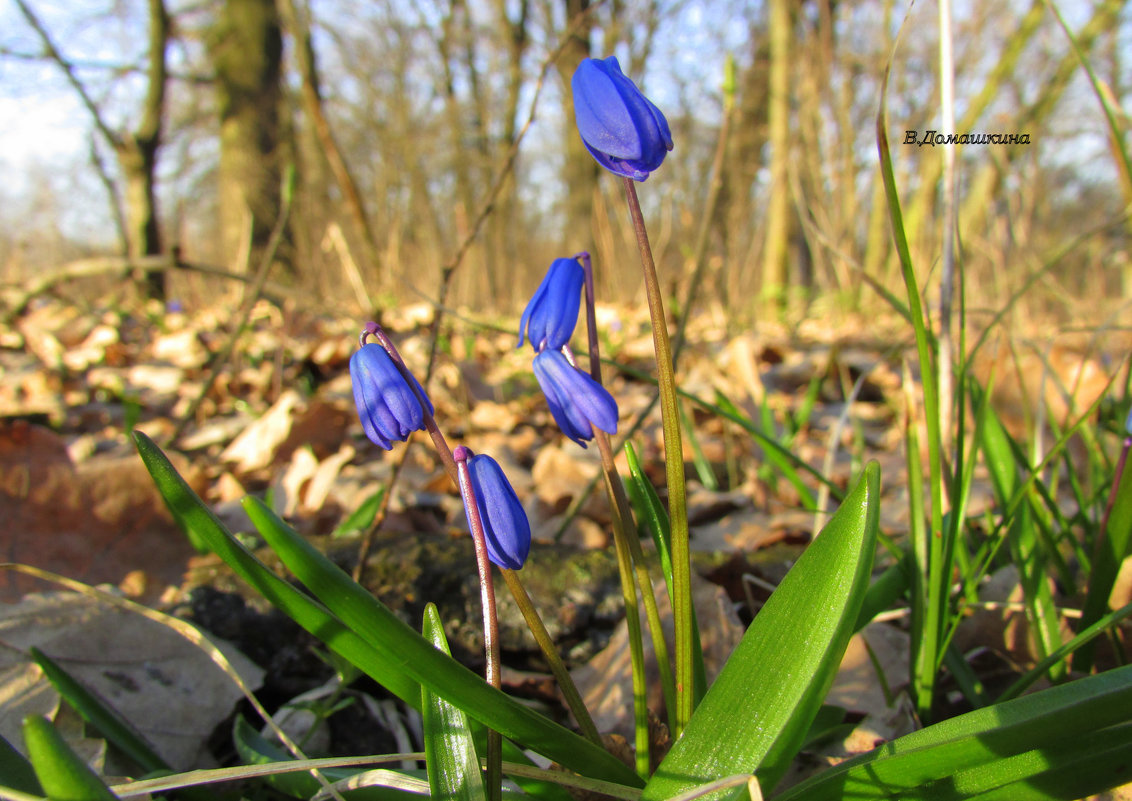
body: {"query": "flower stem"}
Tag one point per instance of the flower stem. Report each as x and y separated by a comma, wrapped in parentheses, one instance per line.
(490, 620)
(619, 499)
(557, 666)
(674, 470)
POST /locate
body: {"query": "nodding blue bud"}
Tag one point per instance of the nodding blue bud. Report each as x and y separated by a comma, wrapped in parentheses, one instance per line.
(577, 402)
(622, 129)
(550, 317)
(506, 529)
(387, 405)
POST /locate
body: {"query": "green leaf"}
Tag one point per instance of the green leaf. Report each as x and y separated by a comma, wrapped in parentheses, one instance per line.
(192, 515)
(417, 658)
(758, 712)
(254, 749)
(16, 773)
(383, 665)
(651, 512)
(1113, 547)
(1063, 743)
(111, 725)
(362, 517)
(61, 773)
(1004, 464)
(450, 753)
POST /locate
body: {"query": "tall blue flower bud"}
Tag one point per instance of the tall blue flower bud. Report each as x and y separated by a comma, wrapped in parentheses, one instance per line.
(387, 405)
(506, 530)
(550, 317)
(577, 402)
(623, 130)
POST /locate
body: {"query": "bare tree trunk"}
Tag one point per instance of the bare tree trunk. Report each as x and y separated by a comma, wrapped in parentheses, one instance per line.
(582, 171)
(246, 48)
(736, 221)
(136, 152)
(304, 55)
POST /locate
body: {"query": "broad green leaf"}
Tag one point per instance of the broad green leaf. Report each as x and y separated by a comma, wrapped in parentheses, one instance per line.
(415, 656)
(758, 712)
(16, 773)
(111, 725)
(1063, 743)
(385, 665)
(62, 774)
(450, 753)
(254, 749)
(192, 515)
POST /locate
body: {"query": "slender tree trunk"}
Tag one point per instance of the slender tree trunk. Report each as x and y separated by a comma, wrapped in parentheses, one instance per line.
(775, 273)
(305, 61)
(247, 47)
(582, 171)
(135, 152)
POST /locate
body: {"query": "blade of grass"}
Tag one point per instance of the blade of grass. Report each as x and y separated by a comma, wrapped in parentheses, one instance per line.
(61, 772)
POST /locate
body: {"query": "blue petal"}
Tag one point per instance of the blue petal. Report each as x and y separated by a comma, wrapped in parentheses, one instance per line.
(626, 133)
(576, 401)
(552, 313)
(387, 406)
(506, 528)
(603, 118)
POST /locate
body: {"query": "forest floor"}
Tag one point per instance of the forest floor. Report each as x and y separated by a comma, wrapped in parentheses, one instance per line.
(276, 419)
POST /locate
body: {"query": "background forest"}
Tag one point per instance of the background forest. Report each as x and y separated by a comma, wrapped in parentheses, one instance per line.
(397, 134)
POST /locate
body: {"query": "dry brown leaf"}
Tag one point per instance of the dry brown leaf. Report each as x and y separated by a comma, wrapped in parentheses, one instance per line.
(168, 689)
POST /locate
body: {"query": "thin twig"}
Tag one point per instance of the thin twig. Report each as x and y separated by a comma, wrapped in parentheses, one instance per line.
(220, 358)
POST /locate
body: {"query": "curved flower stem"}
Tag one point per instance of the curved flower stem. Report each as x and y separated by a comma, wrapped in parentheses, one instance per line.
(621, 501)
(557, 666)
(490, 620)
(674, 471)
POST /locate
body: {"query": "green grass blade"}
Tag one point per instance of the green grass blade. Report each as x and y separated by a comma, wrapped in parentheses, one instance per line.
(254, 749)
(1004, 465)
(450, 753)
(362, 517)
(1114, 545)
(699, 461)
(780, 457)
(417, 658)
(193, 515)
(651, 511)
(760, 708)
(109, 724)
(1059, 743)
(935, 597)
(61, 773)
(16, 773)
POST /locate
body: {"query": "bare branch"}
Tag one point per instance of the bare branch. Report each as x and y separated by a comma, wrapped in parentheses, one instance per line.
(68, 69)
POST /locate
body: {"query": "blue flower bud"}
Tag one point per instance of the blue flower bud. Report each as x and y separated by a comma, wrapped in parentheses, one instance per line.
(506, 529)
(577, 402)
(388, 407)
(550, 317)
(623, 130)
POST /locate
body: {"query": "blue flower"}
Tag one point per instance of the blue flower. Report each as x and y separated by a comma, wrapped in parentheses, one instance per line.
(550, 317)
(623, 130)
(577, 402)
(505, 526)
(388, 407)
